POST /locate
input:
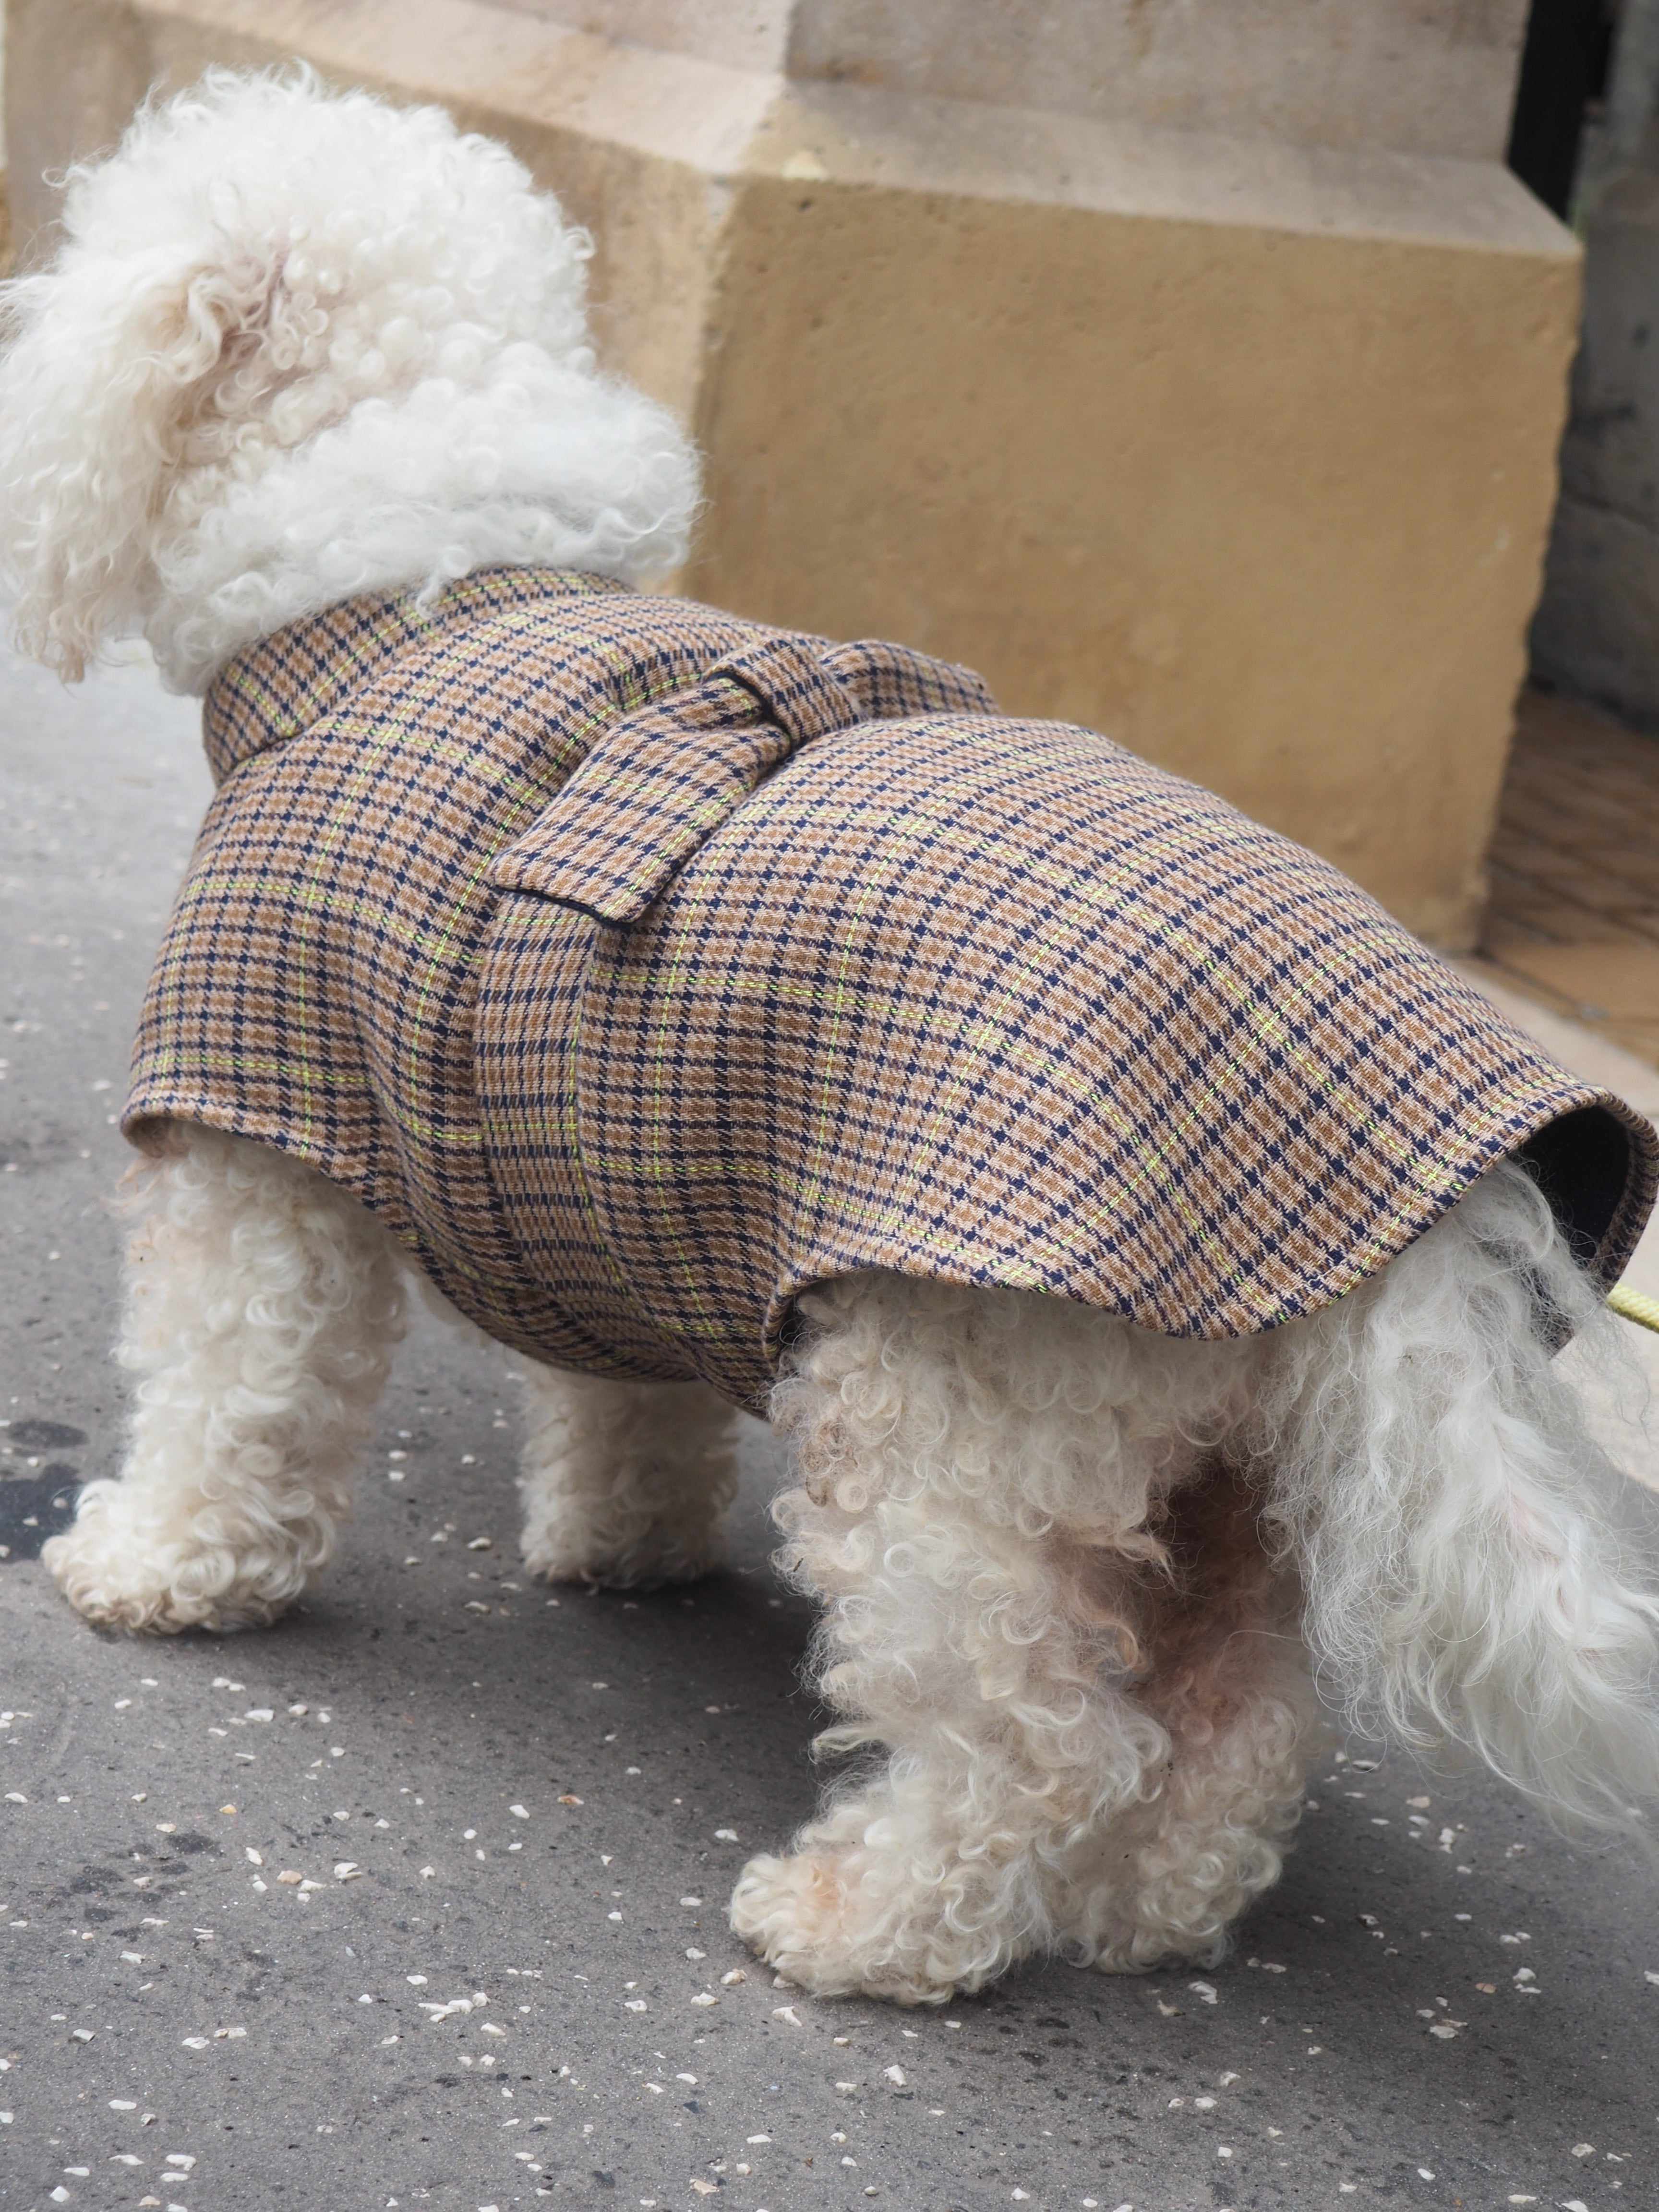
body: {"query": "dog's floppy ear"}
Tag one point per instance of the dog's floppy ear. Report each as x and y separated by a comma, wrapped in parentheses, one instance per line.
(111, 361)
(263, 264)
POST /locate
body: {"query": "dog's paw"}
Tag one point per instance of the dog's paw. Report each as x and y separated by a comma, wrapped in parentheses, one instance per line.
(122, 1577)
(115, 1589)
(569, 1549)
(789, 1911)
(831, 1922)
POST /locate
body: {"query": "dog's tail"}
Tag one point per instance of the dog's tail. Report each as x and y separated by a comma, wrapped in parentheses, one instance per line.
(1473, 1572)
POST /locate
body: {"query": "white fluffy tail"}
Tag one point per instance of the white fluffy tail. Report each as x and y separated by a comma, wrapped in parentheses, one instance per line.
(1472, 1576)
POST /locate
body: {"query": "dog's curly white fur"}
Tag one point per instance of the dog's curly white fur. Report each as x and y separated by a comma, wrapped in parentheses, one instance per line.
(262, 1310)
(624, 1483)
(1079, 1582)
(1075, 1577)
(296, 349)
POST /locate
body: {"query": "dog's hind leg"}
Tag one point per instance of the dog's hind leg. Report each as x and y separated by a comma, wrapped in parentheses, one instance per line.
(1229, 1678)
(977, 1473)
(262, 1308)
(1003, 1750)
(623, 1482)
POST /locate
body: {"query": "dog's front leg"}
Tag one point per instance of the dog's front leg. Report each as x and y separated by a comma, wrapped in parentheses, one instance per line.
(261, 1311)
(623, 1482)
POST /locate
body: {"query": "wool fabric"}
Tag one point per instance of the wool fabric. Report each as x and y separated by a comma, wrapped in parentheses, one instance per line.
(642, 966)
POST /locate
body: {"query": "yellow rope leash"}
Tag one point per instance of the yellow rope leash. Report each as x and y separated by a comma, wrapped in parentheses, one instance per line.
(1635, 1305)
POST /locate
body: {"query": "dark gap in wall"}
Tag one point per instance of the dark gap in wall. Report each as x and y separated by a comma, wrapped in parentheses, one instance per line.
(1564, 74)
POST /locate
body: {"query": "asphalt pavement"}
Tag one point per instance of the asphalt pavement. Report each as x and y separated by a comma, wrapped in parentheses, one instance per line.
(418, 1899)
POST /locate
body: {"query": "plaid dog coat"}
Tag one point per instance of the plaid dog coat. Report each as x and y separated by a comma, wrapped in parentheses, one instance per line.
(642, 966)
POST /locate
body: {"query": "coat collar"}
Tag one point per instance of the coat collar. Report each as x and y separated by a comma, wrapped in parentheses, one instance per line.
(284, 684)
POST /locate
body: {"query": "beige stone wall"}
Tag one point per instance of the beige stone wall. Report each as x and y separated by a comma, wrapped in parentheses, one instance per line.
(1238, 444)
(1433, 77)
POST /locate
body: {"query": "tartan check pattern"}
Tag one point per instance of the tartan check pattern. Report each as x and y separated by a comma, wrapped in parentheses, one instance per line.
(316, 985)
(643, 966)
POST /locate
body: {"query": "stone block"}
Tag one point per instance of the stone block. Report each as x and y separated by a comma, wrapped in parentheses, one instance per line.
(1437, 77)
(1596, 633)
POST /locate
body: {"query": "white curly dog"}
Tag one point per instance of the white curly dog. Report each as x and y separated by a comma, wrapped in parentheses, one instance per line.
(1078, 1580)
